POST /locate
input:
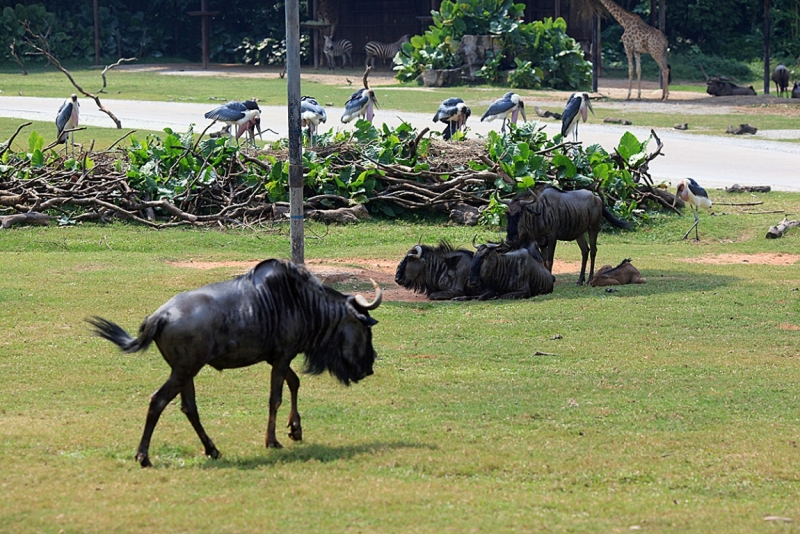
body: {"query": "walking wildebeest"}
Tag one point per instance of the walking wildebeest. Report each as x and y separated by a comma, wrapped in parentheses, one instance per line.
(560, 215)
(509, 274)
(781, 78)
(270, 314)
(719, 87)
(439, 272)
(624, 273)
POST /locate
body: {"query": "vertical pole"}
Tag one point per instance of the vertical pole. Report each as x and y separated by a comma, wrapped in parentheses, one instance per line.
(96, 33)
(595, 51)
(766, 47)
(295, 132)
(204, 32)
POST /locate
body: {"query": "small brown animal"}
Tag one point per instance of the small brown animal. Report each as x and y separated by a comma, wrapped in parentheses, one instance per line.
(624, 273)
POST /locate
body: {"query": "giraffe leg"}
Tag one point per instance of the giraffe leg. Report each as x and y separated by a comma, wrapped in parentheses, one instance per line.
(639, 74)
(630, 72)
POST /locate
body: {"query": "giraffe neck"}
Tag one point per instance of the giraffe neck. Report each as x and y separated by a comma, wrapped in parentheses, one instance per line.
(622, 16)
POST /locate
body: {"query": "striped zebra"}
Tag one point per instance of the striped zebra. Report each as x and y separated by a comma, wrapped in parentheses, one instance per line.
(383, 51)
(334, 49)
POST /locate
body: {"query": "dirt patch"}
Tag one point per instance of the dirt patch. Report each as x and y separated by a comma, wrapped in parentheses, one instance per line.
(764, 258)
(354, 272)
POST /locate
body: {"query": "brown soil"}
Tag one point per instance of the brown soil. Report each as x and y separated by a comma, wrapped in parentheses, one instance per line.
(763, 258)
(354, 271)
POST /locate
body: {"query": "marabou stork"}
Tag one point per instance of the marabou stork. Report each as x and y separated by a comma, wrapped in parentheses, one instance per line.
(361, 102)
(500, 109)
(577, 108)
(245, 115)
(455, 113)
(67, 119)
(311, 114)
(696, 197)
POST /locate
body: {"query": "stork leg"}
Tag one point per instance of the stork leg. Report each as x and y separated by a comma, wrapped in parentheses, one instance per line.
(694, 227)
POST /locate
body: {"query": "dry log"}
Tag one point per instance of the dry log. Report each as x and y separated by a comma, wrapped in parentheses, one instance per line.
(741, 129)
(24, 218)
(614, 120)
(465, 214)
(736, 188)
(775, 232)
(340, 215)
(682, 126)
(546, 114)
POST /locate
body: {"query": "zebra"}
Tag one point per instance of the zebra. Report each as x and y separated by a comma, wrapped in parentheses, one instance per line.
(334, 49)
(383, 51)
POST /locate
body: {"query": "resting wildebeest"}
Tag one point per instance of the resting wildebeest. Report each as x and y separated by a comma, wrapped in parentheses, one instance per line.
(270, 314)
(719, 87)
(781, 78)
(624, 273)
(439, 272)
(509, 273)
(560, 215)
(796, 90)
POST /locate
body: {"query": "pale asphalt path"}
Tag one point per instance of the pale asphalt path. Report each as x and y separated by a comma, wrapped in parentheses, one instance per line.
(715, 162)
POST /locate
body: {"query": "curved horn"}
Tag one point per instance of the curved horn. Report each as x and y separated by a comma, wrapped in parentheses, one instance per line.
(473, 240)
(417, 252)
(419, 241)
(367, 306)
(505, 201)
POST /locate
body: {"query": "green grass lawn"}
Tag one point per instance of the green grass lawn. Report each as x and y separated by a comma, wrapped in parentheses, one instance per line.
(665, 407)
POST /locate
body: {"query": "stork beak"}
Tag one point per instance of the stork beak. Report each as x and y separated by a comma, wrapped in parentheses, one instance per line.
(675, 198)
(589, 105)
(522, 110)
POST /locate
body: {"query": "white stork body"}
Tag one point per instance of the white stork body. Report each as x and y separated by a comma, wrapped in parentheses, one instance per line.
(577, 108)
(360, 104)
(695, 196)
(311, 114)
(246, 116)
(509, 104)
(66, 119)
(455, 113)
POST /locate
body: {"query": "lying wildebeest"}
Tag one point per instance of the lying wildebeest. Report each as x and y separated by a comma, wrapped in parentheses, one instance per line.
(796, 90)
(719, 87)
(271, 314)
(506, 273)
(439, 272)
(624, 273)
(560, 215)
(781, 78)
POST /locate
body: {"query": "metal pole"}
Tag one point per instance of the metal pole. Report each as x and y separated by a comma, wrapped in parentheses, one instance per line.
(766, 47)
(295, 133)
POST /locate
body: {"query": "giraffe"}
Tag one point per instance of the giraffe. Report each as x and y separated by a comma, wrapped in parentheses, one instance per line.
(639, 37)
(328, 11)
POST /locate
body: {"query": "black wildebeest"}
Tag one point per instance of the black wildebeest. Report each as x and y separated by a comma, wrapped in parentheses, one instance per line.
(271, 314)
(624, 273)
(718, 87)
(560, 215)
(439, 272)
(781, 78)
(509, 274)
(796, 90)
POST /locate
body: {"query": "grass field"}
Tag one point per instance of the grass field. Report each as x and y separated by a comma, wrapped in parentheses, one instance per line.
(664, 407)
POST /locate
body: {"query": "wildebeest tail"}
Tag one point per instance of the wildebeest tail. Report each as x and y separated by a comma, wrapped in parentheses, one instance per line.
(616, 222)
(115, 334)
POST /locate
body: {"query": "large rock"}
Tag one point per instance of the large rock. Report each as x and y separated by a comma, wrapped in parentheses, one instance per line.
(472, 49)
(441, 77)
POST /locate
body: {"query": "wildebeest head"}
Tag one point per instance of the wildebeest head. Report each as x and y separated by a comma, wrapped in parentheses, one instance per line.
(482, 252)
(347, 353)
(411, 270)
(514, 214)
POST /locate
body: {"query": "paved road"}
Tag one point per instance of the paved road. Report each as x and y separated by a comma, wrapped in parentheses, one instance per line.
(714, 162)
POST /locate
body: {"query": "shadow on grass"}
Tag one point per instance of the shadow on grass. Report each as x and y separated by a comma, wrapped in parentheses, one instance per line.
(658, 282)
(308, 453)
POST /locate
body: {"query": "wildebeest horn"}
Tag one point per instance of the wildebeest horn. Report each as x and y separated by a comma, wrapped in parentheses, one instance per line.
(505, 201)
(473, 240)
(417, 254)
(364, 304)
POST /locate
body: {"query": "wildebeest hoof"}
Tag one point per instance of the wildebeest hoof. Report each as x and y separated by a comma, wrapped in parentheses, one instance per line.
(295, 432)
(274, 445)
(213, 453)
(143, 460)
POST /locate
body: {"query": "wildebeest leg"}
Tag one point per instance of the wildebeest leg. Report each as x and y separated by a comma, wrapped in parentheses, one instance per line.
(158, 401)
(592, 249)
(549, 252)
(189, 407)
(295, 430)
(279, 372)
(584, 256)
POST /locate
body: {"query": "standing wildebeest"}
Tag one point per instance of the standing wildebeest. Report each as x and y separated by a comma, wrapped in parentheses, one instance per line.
(509, 274)
(560, 215)
(441, 272)
(271, 314)
(781, 78)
